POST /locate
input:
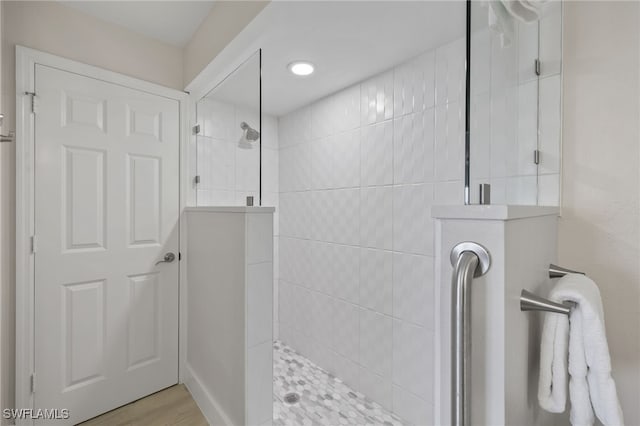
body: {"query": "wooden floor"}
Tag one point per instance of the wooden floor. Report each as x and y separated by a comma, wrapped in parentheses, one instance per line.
(169, 407)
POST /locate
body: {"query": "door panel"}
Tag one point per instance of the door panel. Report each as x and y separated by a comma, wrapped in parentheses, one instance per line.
(107, 206)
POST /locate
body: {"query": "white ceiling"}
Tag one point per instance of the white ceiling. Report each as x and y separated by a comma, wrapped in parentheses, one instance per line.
(347, 41)
(172, 22)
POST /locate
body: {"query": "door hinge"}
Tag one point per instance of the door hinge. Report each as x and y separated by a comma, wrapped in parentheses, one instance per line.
(536, 156)
(34, 244)
(536, 66)
(196, 179)
(32, 383)
(34, 102)
(179, 256)
(196, 129)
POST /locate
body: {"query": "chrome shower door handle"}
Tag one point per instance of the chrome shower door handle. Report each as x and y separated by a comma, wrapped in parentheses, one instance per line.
(168, 258)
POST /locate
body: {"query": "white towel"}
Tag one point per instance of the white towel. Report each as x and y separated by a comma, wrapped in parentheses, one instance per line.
(525, 10)
(502, 13)
(591, 386)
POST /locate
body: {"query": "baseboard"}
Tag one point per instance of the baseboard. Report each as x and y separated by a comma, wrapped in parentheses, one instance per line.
(210, 408)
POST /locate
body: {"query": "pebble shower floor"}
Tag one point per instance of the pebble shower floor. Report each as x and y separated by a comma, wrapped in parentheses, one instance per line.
(324, 399)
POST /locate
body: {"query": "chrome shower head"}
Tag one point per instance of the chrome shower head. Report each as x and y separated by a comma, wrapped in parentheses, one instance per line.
(250, 134)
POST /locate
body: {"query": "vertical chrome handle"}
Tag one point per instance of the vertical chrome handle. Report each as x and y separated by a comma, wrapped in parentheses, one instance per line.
(469, 260)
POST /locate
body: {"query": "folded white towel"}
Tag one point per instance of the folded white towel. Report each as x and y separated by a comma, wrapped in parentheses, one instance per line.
(591, 384)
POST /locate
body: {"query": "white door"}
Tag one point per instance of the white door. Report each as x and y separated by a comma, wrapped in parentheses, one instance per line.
(106, 211)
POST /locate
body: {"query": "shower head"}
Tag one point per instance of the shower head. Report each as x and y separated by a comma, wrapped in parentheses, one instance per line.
(249, 135)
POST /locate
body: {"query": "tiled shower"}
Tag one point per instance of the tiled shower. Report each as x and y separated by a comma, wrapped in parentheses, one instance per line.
(359, 171)
(353, 177)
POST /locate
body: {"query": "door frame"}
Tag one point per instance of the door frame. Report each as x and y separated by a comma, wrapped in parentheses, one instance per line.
(26, 60)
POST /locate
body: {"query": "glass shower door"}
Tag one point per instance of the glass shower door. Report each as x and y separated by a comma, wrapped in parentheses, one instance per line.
(229, 148)
(515, 104)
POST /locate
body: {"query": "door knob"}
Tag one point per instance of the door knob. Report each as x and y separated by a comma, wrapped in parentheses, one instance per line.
(168, 258)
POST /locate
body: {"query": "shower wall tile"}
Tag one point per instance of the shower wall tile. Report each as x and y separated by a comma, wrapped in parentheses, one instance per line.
(527, 51)
(377, 388)
(376, 275)
(295, 128)
(549, 190)
(550, 124)
(408, 406)
(551, 40)
(481, 60)
(451, 193)
(376, 220)
(413, 289)
(376, 96)
(450, 72)
(413, 138)
(414, 85)
(376, 154)
(413, 359)
(412, 223)
(527, 128)
(357, 181)
(346, 325)
(522, 190)
(376, 343)
(295, 170)
(269, 132)
(481, 140)
(449, 142)
(346, 273)
(270, 170)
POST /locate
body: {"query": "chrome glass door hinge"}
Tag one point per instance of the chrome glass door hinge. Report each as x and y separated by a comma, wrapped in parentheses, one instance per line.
(34, 244)
(196, 179)
(34, 101)
(536, 66)
(196, 129)
(32, 383)
(536, 157)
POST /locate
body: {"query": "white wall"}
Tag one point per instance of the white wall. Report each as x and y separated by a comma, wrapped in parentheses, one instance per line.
(600, 224)
(359, 171)
(225, 21)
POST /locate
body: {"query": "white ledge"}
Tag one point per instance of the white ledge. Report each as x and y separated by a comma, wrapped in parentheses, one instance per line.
(492, 212)
(230, 209)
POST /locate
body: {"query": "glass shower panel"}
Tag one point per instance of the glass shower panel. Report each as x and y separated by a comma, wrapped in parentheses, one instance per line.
(515, 103)
(228, 140)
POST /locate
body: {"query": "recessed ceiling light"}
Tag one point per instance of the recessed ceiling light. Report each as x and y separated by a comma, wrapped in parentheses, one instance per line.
(302, 68)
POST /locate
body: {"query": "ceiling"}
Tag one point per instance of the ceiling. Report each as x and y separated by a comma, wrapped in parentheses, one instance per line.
(172, 22)
(347, 41)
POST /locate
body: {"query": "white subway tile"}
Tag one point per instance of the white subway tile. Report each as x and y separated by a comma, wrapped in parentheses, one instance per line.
(413, 359)
(414, 85)
(413, 289)
(415, 410)
(413, 144)
(450, 72)
(376, 96)
(449, 142)
(346, 330)
(550, 124)
(376, 220)
(376, 154)
(376, 280)
(412, 223)
(376, 343)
